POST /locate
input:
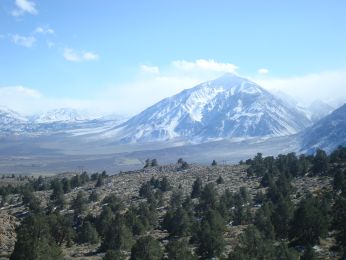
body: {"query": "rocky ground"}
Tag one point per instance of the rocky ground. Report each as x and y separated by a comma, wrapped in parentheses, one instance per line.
(126, 186)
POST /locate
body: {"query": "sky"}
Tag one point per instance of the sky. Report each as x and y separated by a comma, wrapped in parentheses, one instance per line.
(122, 56)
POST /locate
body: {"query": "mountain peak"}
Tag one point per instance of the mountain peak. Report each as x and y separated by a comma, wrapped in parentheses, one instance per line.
(227, 107)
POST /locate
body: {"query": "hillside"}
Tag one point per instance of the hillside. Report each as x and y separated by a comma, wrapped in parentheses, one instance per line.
(144, 200)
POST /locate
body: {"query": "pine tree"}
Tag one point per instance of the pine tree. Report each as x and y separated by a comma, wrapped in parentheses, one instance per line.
(146, 248)
(196, 188)
(309, 254)
(220, 180)
(79, 204)
(210, 239)
(309, 223)
(252, 246)
(320, 162)
(179, 250)
(118, 236)
(88, 234)
(99, 182)
(34, 241)
(114, 255)
(164, 185)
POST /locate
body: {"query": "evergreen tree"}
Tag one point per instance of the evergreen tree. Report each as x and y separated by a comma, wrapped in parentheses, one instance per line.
(309, 223)
(58, 194)
(196, 188)
(66, 185)
(114, 255)
(263, 221)
(339, 223)
(226, 203)
(61, 228)
(93, 197)
(309, 254)
(339, 182)
(79, 204)
(220, 180)
(34, 241)
(99, 182)
(208, 198)
(118, 236)
(164, 185)
(320, 162)
(146, 248)
(114, 203)
(252, 246)
(179, 250)
(178, 223)
(154, 163)
(210, 239)
(146, 190)
(281, 217)
(104, 220)
(134, 222)
(88, 234)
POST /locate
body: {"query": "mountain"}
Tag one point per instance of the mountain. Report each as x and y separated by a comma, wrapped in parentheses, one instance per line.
(57, 121)
(319, 109)
(327, 134)
(59, 115)
(227, 107)
(11, 122)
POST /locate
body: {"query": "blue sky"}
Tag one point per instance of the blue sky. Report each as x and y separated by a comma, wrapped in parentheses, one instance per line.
(85, 53)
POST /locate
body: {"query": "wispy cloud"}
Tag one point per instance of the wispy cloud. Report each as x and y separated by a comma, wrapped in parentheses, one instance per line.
(205, 65)
(90, 56)
(263, 71)
(24, 6)
(329, 86)
(44, 30)
(74, 56)
(150, 69)
(25, 41)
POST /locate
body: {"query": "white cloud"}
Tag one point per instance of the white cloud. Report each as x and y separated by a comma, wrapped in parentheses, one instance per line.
(263, 71)
(90, 56)
(329, 86)
(150, 69)
(26, 41)
(24, 6)
(74, 56)
(44, 30)
(204, 65)
(71, 55)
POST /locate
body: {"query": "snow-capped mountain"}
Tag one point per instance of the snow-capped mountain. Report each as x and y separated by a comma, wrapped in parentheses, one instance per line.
(327, 134)
(11, 121)
(59, 115)
(227, 107)
(64, 121)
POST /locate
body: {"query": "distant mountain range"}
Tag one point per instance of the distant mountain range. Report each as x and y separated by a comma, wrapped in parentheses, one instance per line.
(227, 107)
(63, 120)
